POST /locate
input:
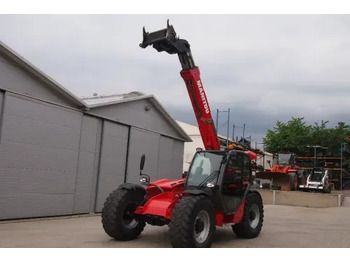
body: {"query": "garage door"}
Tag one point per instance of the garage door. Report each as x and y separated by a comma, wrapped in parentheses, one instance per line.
(1, 104)
(112, 160)
(142, 142)
(90, 144)
(38, 158)
(170, 158)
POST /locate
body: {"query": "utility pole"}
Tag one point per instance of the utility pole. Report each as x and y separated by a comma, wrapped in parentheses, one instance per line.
(315, 152)
(228, 122)
(341, 165)
(228, 125)
(233, 132)
(217, 120)
(243, 132)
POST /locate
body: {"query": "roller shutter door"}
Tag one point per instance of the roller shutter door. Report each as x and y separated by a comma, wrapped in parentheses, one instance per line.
(142, 142)
(112, 160)
(38, 158)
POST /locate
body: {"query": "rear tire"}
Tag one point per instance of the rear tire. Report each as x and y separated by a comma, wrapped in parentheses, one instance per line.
(253, 217)
(328, 190)
(294, 181)
(192, 223)
(118, 218)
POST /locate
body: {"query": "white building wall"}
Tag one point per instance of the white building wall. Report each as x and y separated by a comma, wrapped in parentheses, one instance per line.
(262, 160)
(190, 150)
(190, 147)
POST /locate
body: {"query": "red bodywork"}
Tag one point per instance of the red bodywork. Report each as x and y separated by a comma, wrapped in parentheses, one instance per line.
(161, 204)
(281, 169)
(201, 108)
(235, 218)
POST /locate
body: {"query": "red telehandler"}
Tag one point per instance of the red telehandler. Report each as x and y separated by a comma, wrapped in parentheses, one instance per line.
(216, 192)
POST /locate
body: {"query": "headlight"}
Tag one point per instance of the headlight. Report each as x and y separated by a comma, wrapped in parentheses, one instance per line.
(143, 180)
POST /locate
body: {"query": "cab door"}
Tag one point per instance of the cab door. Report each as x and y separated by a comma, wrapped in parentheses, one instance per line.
(246, 171)
(234, 175)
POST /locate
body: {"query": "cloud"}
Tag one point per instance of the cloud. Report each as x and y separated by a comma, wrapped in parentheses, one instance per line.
(264, 67)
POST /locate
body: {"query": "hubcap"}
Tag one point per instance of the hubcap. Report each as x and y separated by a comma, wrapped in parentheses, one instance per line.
(129, 220)
(254, 216)
(201, 226)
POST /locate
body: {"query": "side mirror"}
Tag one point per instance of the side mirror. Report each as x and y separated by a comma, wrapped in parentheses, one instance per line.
(269, 162)
(142, 162)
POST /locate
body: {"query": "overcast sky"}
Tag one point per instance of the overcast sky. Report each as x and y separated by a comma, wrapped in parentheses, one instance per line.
(264, 68)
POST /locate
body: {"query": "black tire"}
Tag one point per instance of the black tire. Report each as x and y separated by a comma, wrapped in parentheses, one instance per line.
(253, 217)
(293, 180)
(118, 218)
(328, 190)
(192, 223)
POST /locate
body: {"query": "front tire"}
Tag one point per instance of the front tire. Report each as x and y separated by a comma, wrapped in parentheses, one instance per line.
(118, 218)
(192, 223)
(253, 217)
(294, 181)
(328, 190)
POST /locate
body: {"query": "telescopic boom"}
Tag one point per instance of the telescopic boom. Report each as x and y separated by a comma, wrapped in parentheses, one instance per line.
(166, 40)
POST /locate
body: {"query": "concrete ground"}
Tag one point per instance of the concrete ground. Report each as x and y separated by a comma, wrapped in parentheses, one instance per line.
(284, 226)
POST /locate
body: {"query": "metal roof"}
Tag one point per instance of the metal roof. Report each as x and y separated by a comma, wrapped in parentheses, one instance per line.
(34, 71)
(87, 102)
(107, 100)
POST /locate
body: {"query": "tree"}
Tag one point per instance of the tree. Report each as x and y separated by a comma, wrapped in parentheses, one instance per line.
(330, 137)
(297, 137)
(292, 136)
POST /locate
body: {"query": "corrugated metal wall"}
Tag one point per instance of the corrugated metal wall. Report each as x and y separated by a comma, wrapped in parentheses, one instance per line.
(1, 110)
(170, 158)
(142, 142)
(39, 156)
(89, 157)
(112, 160)
(56, 159)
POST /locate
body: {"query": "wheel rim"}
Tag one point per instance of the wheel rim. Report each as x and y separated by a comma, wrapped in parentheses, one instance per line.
(254, 216)
(201, 226)
(129, 220)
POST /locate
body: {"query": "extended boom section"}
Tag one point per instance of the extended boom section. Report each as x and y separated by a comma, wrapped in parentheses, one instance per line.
(166, 40)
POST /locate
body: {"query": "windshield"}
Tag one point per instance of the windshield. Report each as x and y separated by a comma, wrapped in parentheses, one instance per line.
(284, 159)
(204, 164)
(317, 175)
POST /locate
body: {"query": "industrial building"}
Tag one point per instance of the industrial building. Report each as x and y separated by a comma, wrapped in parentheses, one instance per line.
(62, 155)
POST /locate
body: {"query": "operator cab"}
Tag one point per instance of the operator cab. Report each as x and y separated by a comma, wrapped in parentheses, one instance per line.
(285, 159)
(225, 174)
(317, 174)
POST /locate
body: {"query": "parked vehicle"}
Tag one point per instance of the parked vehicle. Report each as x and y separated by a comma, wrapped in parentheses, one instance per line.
(317, 180)
(216, 191)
